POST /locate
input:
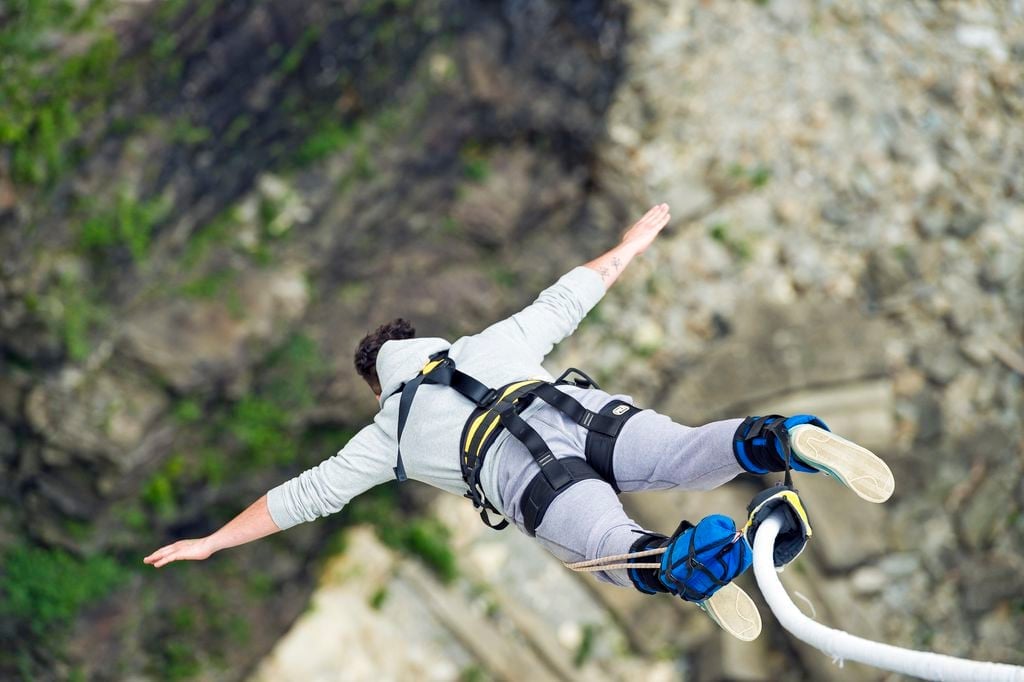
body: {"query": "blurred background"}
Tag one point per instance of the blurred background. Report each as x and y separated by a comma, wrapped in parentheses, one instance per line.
(204, 204)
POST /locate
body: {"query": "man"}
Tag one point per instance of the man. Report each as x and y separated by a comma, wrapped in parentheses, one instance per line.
(528, 450)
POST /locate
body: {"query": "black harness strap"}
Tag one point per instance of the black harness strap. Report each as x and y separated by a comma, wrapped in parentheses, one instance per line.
(404, 405)
(600, 447)
(571, 408)
(439, 370)
(501, 408)
(538, 495)
(479, 433)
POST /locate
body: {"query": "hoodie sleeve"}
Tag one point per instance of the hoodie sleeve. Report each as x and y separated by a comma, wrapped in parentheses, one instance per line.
(364, 462)
(555, 314)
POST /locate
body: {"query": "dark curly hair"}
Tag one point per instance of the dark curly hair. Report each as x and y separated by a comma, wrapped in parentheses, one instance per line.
(366, 353)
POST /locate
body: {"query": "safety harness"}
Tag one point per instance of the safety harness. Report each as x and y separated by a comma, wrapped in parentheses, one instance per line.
(499, 408)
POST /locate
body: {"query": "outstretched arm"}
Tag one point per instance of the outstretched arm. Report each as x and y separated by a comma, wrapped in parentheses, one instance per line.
(364, 462)
(560, 308)
(636, 240)
(252, 524)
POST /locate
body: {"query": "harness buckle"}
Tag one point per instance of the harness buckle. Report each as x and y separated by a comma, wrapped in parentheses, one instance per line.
(489, 398)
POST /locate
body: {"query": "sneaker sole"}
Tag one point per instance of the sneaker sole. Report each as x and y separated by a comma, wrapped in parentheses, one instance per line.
(856, 467)
(734, 611)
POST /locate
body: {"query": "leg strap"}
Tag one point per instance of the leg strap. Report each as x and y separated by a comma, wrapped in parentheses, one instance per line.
(541, 491)
(600, 447)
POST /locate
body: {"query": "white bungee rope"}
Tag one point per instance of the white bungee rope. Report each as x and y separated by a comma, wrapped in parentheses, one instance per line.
(842, 645)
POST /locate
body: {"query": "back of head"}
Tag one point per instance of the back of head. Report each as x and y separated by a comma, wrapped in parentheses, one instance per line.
(366, 353)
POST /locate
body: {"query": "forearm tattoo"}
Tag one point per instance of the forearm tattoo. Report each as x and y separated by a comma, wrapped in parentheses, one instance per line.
(606, 272)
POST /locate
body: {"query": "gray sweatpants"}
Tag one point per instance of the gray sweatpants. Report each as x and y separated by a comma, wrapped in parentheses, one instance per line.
(651, 453)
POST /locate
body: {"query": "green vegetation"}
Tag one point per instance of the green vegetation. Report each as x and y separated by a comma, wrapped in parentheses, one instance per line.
(331, 137)
(47, 97)
(70, 311)
(504, 277)
(738, 248)
(755, 176)
(158, 494)
(128, 224)
(44, 589)
(294, 56)
(450, 227)
(252, 434)
(188, 411)
(586, 646)
(424, 537)
(186, 133)
(206, 621)
(204, 239)
(260, 426)
(130, 513)
(377, 599)
(292, 368)
(473, 673)
(474, 162)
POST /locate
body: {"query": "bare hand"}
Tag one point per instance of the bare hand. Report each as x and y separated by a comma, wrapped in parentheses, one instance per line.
(182, 550)
(647, 228)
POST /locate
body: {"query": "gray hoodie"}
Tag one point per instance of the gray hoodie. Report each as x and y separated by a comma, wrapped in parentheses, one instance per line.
(507, 351)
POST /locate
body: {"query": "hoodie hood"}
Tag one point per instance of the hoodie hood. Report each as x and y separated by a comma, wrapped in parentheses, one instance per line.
(399, 361)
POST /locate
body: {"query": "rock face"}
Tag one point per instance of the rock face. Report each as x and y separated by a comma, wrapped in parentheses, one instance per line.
(267, 182)
(857, 201)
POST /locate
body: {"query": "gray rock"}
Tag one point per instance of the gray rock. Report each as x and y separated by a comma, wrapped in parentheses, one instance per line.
(8, 443)
(989, 582)
(102, 413)
(927, 411)
(987, 511)
(195, 345)
(941, 364)
(847, 531)
(12, 387)
(767, 356)
(861, 411)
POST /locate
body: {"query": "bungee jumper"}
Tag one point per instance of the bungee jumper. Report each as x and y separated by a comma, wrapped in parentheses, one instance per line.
(480, 417)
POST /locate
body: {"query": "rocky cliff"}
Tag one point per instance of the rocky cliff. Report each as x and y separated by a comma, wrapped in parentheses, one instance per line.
(203, 206)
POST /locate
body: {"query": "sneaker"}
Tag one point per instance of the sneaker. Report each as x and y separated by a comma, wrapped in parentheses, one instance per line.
(856, 467)
(734, 611)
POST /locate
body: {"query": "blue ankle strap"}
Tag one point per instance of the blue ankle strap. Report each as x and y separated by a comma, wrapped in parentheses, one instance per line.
(761, 443)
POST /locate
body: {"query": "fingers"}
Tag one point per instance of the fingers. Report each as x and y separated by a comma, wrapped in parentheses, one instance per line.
(657, 215)
(158, 555)
(166, 555)
(166, 560)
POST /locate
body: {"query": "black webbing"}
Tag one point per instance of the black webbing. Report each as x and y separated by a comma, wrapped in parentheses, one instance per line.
(539, 494)
(571, 408)
(477, 393)
(404, 404)
(555, 475)
(600, 447)
(551, 468)
(693, 564)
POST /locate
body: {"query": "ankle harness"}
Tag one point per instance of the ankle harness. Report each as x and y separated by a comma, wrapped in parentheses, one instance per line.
(761, 444)
(498, 409)
(698, 560)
